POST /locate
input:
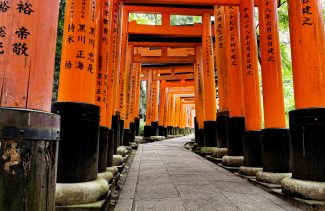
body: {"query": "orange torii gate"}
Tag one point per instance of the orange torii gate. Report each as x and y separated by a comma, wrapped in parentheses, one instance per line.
(100, 84)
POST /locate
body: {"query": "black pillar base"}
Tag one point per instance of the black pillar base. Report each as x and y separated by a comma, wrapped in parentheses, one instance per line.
(78, 148)
(196, 128)
(161, 131)
(103, 148)
(172, 131)
(235, 129)
(147, 131)
(116, 127)
(110, 149)
(165, 132)
(121, 132)
(210, 133)
(154, 129)
(275, 150)
(222, 120)
(169, 130)
(182, 131)
(133, 131)
(200, 138)
(126, 137)
(307, 144)
(176, 130)
(33, 136)
(137, 126)
(252, 149)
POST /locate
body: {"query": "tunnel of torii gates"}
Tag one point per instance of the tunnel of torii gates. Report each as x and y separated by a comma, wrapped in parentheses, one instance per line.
(208, 71)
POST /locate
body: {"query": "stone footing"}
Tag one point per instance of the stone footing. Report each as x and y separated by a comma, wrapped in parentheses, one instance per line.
(249, 171)
(108, 176)
(270, 177)
(95, 206)
(232, 161)
(219, 152)
(117, 160)
(304, 189)
(81, 193)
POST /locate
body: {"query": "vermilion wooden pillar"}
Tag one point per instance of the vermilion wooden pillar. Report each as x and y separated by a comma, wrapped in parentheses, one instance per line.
(154, 106)
(27, 52)
(102, 46)
(137, 98)
(307, 121)
(112, 39)
(220, 54)
(122, 86)
(275, 136)
(252, 135)
(210, 123)
(236, 121)
(199, 96)
(147, 127)
(127, 105)
(162, 102)
(79, 114)
(177, 114)
(173, 113)
(113, 117)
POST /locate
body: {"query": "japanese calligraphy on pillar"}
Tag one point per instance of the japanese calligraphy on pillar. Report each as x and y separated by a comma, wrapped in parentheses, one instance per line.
(154, 99)
(269, 22)
(80, 36)
(233, 35)
(22, 30)
(129, 87)
(18, 44)
(102, 70)
(149, 98)
(248, 42)
(307, 11)
(133, 91)
(219, 18)
(209, 53)
(123, 64)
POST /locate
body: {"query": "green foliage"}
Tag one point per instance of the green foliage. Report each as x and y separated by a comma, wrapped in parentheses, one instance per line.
(58, 50)
(286, 59)
(176, 20)
(149, 19)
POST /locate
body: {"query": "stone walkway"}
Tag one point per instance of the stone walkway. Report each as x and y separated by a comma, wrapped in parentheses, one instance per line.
(165, 176)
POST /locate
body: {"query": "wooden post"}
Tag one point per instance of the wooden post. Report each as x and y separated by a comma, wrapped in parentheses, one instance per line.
(177, 114)
(127, 105)
(27, 51)
(27, 54)
(236, 121)
(199, 95)
(220, 54)
(112, 39)
(147, 128)
(102, 48)
(78, 61)
(162, 102)
(307, 127)
(137, 98)
(210, 124)
(128, 89)
(252, 137)
(275, 135)
(154, 106)
(123, 65)
(223, 112)
(118, 51)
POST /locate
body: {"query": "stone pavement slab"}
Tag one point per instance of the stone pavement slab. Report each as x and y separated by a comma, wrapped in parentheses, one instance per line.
(165, 176)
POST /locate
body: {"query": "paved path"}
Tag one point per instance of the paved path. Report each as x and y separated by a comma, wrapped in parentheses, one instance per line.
(165, 176)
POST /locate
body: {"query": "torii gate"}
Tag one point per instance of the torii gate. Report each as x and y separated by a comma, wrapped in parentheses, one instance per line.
(98, 80)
